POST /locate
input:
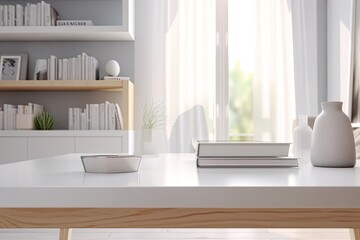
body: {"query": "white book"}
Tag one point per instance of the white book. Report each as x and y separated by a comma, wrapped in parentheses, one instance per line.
(91, 117)
(77, 118)
(84, 58)
(74, 23)
(5, 116)
(1, 15)
(71, 119)
(60, 70)
(107, 114)
(248, 162)
(1, 120)
(6, 16)
(112, 117)
(47, 14)
(53, 67)
(91, 68)
(42, 11)
(73, 67)
(11, 15)
(102, 116)
(13, 117)
(87, 113)
(78, 66)
(26, 109)
(115, 78)
(241, 149)
(33, 8)
(35, 108)
(19, 15)
(65, 69)
(20, 109)
(26, 15)
(83, 121)
(119, 117)
(8, 111)
(38, 14)
(97, 116)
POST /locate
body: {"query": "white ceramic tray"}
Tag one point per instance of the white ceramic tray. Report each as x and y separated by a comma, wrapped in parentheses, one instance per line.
(111, 163)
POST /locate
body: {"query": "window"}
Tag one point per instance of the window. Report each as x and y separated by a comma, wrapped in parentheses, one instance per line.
(256, 51)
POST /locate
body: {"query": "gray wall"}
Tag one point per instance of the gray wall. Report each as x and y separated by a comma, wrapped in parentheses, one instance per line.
(59, 102)
(339, 51)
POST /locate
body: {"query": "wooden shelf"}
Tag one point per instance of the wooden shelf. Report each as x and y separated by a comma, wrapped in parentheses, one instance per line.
(124, 86)
(62, 85)
(65, 33)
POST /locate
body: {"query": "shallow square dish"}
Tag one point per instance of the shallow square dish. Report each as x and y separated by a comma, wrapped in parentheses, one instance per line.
(111, 163)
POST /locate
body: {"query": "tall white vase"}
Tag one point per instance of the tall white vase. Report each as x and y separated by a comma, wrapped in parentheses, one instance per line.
(332, 138)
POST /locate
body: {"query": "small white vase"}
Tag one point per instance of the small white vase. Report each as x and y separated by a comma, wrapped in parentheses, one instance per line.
(333, 142)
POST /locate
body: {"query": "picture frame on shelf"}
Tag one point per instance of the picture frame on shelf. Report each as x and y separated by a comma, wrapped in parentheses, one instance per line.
(13, 66)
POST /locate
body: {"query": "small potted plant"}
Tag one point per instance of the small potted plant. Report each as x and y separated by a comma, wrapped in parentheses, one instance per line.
(153, 118)
(44, 121)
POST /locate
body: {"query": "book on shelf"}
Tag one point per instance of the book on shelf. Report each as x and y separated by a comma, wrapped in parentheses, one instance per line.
(115, 78)
(241, 149)
(74, 23)
(103, 116)
(247, 162)
(82, 67)
(15, 117)
(119, 117)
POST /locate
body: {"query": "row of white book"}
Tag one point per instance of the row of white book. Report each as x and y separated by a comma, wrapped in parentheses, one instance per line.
(103, 116)
(244, 154)
(82, 67)
(19, 117)
(32, 14)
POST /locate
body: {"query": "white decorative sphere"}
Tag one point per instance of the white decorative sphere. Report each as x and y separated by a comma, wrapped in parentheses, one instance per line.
(112, 68)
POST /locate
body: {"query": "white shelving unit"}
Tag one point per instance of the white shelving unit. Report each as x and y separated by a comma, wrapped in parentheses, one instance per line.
(22, 145)
(66, 33)
(123, 32)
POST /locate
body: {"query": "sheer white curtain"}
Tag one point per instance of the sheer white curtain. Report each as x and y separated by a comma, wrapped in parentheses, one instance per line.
(175, 63)
(190, 71)
(274, 93)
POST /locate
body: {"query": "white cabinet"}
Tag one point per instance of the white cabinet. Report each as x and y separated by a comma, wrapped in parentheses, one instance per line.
(23, 145)
(13, 149)
(39, 147)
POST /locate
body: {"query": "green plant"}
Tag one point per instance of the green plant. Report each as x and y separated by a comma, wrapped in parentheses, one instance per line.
(44, 121)
(153, 115)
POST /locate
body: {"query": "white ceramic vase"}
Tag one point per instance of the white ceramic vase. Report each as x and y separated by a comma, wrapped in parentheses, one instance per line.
(332, 138)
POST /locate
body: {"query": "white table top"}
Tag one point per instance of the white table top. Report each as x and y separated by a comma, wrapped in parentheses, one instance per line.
(173, 180)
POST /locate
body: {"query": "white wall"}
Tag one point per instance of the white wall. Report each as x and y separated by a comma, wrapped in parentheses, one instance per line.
(339, 43)
(310, 41)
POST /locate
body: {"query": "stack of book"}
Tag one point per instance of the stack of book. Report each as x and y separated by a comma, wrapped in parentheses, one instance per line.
(243, 154)
(32, 14)
(103, 116)
(82, 67)
(20, 117)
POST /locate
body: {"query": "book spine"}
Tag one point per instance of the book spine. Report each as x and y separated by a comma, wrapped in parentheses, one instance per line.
(6, 15)
(71, 120)
(1, 15)
(1, 120)
(11, 15)
(47, 14)
(19, 15)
